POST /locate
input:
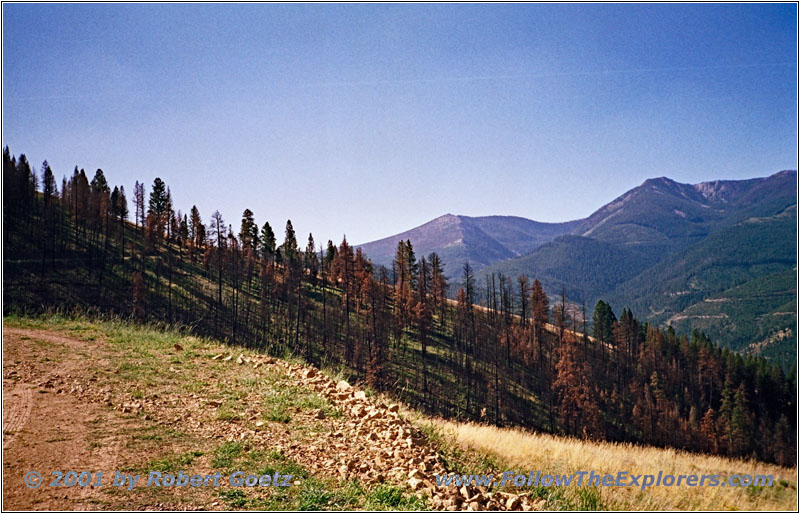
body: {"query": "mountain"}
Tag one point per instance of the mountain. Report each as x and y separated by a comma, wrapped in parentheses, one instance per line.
(585, 267)
(644, 226)
(667, 213)
(666, 249)
(727, 258)
(61, 261)
(738, 286)
(481, 240)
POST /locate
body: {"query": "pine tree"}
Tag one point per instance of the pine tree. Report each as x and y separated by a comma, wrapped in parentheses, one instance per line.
(196, 236)
(217, 233)
(267, 242)
(708, 430)
(289, 245)
(157, 206)
(248, 233)
(438, 287)
(311, 260)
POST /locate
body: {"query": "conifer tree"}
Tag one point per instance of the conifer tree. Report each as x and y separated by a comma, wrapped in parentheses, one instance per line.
(196, 235)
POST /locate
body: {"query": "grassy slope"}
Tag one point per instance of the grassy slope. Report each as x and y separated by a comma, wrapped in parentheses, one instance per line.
(522, 451)
(145, 366)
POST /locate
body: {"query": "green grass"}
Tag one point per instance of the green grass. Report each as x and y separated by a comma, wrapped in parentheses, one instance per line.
(283, 397)
(174, 463)
(387, 497)
(225, 455)
(226, 412)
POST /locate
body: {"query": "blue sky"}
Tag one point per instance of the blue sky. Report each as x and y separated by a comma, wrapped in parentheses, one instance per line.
(371, 119)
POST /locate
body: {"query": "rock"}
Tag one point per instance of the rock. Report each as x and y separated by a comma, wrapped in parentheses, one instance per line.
(343, 386)
(512, 503)
(240, 359)
(217, 357)
(259, 423)
(229, 357)
(393, 408)
(310, 373)
(415, 483)
(415, 473)
(360, 395)
(319, 414)
(178, 348)
(256, 365)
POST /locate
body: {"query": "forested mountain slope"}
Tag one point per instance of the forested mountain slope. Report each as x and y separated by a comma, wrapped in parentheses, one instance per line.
(664, 246)
(518, 360)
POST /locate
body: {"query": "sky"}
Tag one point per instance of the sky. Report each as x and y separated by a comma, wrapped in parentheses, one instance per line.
(368, 120)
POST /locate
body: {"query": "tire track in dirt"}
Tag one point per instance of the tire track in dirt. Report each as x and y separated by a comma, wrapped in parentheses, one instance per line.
(17, 405)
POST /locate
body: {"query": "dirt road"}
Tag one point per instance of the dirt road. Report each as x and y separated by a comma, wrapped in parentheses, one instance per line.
(49, 422)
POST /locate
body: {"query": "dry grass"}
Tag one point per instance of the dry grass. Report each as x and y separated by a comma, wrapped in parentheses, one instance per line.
(527, 451)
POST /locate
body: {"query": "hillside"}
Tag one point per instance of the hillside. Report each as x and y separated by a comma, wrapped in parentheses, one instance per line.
(98, 396)
(585, 267)
(766, 300)
(109, 395)
(75, 253)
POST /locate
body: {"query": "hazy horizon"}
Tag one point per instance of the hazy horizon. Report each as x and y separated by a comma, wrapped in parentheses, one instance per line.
(373, 119)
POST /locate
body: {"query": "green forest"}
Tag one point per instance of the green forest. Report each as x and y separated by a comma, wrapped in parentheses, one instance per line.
(520, 358)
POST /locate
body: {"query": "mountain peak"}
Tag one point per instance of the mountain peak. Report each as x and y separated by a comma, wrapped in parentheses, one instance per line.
(449, 217)
(658, 181)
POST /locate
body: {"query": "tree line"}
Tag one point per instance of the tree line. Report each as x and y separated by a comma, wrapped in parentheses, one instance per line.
(514, 360)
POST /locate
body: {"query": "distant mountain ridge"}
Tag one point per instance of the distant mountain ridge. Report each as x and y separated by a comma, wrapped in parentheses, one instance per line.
(659, 248)
(481, 240)
(659, 212)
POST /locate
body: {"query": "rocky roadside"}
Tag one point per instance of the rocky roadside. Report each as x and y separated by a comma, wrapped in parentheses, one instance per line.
(392, 447)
